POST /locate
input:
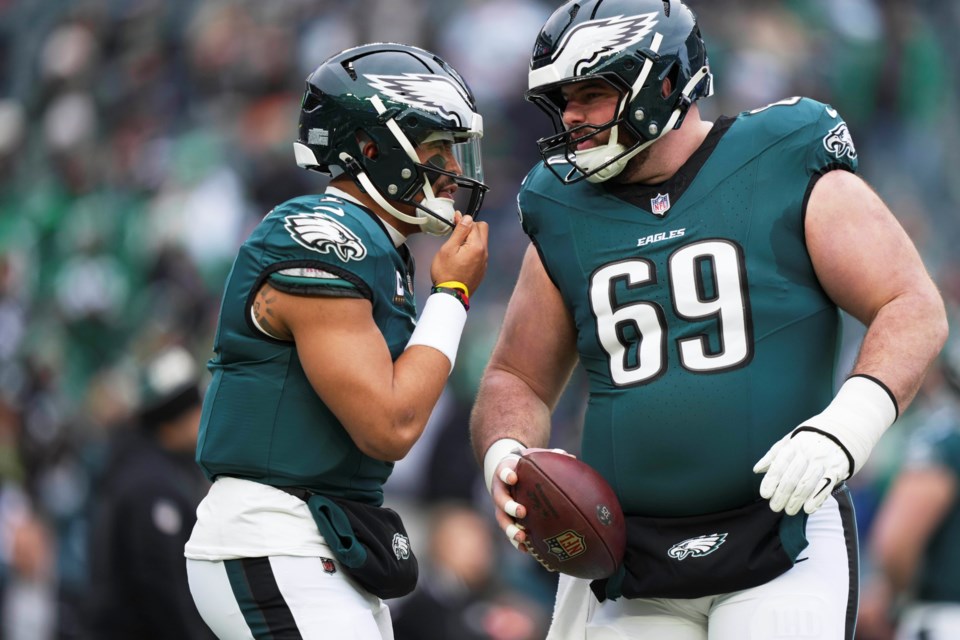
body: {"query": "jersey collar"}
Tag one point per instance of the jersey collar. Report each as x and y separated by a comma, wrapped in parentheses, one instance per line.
(397, 237)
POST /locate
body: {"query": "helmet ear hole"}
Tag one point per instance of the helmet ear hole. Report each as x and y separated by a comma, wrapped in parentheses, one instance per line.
(368, 148)
(672, 76)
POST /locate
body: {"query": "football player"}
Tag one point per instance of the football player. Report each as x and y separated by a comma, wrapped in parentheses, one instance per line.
(323, 376)
(696, 271)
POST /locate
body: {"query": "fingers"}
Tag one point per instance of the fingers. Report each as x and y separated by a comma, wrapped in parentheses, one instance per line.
(511, 528)
(463, 257)
(764, 463)
(821, 494)
(801, 472)
(806, 487)
(462, 230)
(502, 498)
(483, 230)
(506, 507)
(512, 508)
(514, 534)
(787, 485)
(776, 467)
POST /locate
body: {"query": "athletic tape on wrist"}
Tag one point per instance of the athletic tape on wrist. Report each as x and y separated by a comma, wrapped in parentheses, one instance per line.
(440, 326)
(861, 412)
(497, 452)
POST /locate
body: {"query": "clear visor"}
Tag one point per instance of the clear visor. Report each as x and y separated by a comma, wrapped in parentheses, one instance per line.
(465, 187)
(466, 152)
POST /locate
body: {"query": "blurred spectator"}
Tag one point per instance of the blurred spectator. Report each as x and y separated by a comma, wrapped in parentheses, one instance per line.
(915, 583)
(27, 549)
(461, 594)
(146, 508)
(140, 142)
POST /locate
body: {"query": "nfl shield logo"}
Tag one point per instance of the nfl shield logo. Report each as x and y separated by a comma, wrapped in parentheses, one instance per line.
(566, 545)
(661, 204)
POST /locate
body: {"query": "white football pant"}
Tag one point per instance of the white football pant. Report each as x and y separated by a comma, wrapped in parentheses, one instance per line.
(285, 597)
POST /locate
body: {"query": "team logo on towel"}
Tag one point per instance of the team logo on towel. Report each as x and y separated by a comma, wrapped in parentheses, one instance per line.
(401, 546)
(697, 547)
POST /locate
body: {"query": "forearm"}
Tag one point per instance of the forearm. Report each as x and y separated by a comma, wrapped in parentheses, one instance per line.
(506, 407)
(902, 340)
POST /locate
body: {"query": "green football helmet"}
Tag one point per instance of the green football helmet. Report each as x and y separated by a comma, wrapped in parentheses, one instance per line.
(633, 45)
(398, 97)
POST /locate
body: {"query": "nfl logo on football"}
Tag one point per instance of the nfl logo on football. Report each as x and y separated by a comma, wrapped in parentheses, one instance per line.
(566, 545)
(661, 204)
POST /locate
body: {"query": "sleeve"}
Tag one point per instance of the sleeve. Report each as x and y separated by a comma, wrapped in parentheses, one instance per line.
(321, 249)
(831, 145)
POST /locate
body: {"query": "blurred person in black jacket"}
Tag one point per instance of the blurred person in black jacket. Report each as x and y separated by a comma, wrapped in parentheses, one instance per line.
(462, 595)
(146, 508)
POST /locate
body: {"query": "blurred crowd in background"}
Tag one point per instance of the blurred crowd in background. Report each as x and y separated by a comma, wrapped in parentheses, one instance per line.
(140, 140)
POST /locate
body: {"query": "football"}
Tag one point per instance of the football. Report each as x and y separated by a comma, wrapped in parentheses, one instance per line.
(574, 523)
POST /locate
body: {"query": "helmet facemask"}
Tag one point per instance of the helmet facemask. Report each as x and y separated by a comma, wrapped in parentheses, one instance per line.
(595, 164)
(435, 215)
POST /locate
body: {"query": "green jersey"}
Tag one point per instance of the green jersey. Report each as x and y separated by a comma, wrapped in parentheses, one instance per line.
(937, 445)
(701, 325)
(262, 420)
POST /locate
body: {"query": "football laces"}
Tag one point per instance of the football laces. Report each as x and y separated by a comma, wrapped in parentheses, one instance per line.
(536, 556)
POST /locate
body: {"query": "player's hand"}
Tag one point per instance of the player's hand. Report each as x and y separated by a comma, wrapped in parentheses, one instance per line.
(507, 509)
(463, 257)
(801, 469)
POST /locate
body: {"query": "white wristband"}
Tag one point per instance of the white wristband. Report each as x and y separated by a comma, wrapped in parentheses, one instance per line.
(440, 325)
(856, 418)
(498, 451)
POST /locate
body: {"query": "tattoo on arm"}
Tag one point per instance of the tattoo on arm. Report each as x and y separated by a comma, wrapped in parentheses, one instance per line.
(265, 315)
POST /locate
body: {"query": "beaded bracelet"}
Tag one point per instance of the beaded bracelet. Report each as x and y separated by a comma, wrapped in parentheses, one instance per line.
(455, 292)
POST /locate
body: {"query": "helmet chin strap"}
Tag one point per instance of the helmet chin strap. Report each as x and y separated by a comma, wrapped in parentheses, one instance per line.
(443, 208)
(600, 156)
(427, 223)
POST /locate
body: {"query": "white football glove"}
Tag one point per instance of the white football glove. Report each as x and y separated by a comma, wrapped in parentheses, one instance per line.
(802, 469)
(805, 466)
